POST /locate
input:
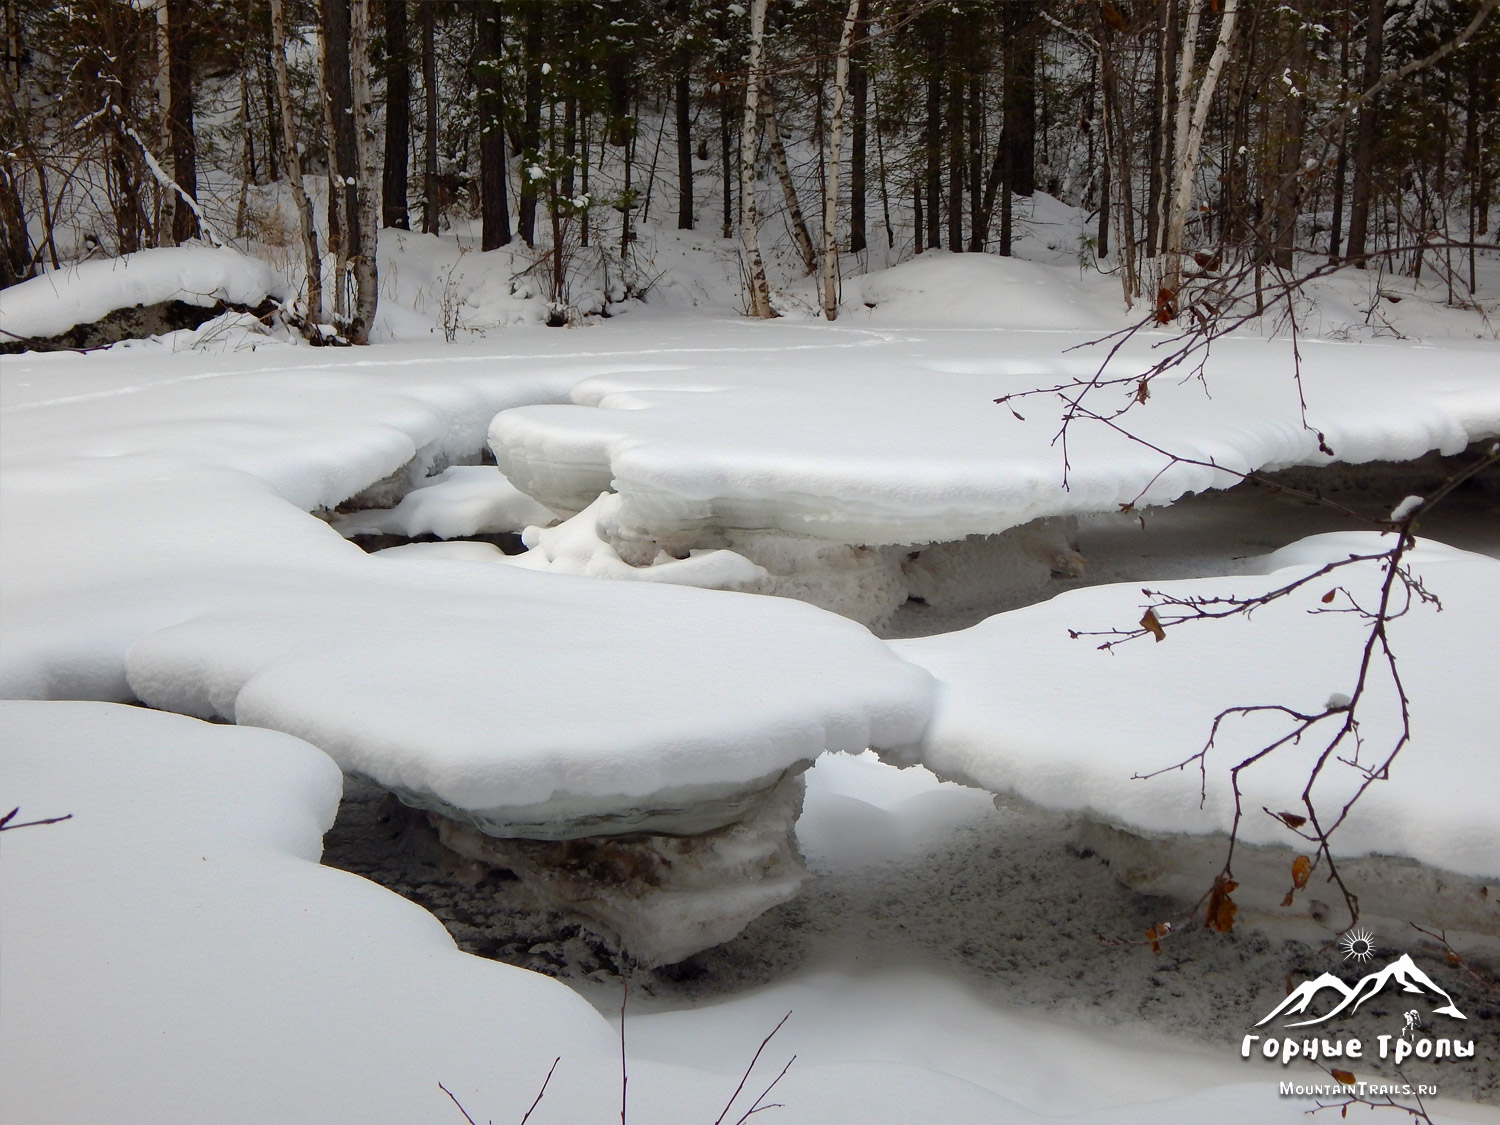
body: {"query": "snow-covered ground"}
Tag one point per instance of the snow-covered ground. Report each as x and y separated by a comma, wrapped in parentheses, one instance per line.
(166, 514)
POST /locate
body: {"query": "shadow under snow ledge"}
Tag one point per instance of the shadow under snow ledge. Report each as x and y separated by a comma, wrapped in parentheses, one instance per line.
(1025, 709)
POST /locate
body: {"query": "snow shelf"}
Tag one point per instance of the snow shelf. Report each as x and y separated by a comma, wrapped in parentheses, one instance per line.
(893, 437)
(168, 521)
(54, 302)
(1025, 709)
(175, 946)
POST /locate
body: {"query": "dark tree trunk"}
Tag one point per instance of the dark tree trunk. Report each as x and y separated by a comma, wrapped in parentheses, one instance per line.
(859, 94)
(397, 117)
(1019, 135)
(531, 121)
(180, 33)
(975, 175)
(932, 143)
(684, 151)
(494, 203)
(956, 160)
(268, 96)
(344, 162)
(1364, 142)
(430, 207)
(726, 154)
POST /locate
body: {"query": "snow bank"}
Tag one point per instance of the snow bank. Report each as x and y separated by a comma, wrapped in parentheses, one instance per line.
(54, 302)
(1025, 709)
(174, 948)
(975, 291)
(895, 439)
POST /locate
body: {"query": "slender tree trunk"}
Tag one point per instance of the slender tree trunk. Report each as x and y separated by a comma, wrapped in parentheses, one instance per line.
(1364, 140)
(1341, 167)
(788, 189)
(531, 123)
(683, 94)
(726, 159)
(367, 193)
(932, 146)
(859, 83)
(954, 128)
(430, 207)
(291, 160)
(975, 176)
(835, 155)
(397, 116)
(494, 201)
(1290, 118)
(343, 161)
(755, 269)
(184, 139)
(1188, 143)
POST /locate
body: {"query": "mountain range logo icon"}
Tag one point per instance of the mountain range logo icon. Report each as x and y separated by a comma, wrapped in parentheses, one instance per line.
(1402, 971)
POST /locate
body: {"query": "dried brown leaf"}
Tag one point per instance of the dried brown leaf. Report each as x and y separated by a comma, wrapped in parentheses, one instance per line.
(1153, 626)
(1301, 869)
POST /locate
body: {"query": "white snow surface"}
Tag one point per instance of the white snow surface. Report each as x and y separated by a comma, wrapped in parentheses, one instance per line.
(54, 302)
(462, 500)
(976, 291)
(174, 948)
(890, 436)
(158, 546)
(1025, 709)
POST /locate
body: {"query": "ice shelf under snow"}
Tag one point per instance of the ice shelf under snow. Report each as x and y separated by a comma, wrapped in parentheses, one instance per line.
(54, 302)
(1024, 708)
(158, 547)
(883, 436)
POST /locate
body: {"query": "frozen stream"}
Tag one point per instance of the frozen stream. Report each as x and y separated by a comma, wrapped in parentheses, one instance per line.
(943, 930)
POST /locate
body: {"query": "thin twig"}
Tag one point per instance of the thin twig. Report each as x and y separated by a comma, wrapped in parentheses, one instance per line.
(746, 1076)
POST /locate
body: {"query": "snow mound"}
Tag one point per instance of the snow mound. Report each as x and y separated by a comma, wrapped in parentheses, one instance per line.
(886, 444)
(176, 942)
(81, 294)
(462, 500)
(1025, 709)
(975, 291)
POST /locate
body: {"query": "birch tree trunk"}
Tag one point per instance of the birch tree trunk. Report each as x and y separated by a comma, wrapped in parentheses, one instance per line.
(367, 193)
(835, 154)
(755, 268)
(789, 190)
(1188, 143)
(291, 160)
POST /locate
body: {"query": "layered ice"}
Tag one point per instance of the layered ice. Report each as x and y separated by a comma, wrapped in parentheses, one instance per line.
(1026, 709)
(899, 441)
(53, 302)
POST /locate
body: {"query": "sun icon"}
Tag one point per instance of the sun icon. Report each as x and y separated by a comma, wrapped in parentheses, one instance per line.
(1358, 945)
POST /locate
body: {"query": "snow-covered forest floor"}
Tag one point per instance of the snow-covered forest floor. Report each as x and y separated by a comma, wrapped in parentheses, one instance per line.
(956, 953)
